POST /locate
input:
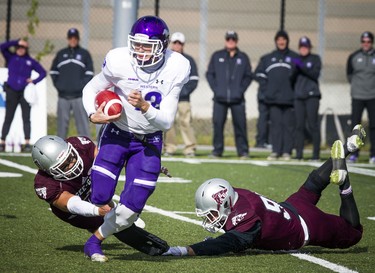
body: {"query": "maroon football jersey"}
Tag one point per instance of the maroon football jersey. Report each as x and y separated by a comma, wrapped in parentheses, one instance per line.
(281, 229)
(49, 189)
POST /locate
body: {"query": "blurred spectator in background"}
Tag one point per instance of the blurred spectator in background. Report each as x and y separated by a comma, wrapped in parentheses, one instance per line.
(20, 66)
(361, 76)
(229, 75)
(263, 123)
(183, 117)
(307, 97)
(72, 68)
(276, 71)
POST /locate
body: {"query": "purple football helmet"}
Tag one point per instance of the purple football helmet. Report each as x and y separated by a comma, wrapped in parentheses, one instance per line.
(148, 40)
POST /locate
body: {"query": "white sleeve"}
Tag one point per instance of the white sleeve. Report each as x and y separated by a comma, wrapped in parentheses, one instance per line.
(76, 205)
(164, 118)
(95, 85)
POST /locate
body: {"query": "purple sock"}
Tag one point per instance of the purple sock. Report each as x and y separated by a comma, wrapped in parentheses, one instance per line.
(92, 246)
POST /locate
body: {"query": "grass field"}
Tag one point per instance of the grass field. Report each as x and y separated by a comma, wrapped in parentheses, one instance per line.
(33, 240)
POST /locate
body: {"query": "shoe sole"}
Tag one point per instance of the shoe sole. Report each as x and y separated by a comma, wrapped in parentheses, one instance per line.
(96, 257)
(356, 140)
(339, 170)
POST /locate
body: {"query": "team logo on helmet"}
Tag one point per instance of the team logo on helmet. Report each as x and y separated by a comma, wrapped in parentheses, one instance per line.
(220, 196)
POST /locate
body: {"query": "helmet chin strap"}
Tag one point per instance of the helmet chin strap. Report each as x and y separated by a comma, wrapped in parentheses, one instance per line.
(153, 68)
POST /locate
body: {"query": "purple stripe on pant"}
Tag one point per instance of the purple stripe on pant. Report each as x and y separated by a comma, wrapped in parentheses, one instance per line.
(119, 148)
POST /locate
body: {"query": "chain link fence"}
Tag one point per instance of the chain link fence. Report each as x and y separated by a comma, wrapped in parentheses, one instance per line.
(334, 27)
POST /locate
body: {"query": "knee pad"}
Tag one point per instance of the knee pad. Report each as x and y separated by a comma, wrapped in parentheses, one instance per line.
(117, 219)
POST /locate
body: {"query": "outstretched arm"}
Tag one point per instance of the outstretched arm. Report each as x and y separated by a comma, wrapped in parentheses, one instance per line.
(232, 241)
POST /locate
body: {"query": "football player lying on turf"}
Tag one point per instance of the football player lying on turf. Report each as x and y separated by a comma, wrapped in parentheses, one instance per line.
(63, 180)
(251, 220)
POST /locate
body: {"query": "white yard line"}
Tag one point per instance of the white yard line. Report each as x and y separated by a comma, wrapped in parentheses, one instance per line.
(18, 166)
(323, 263)
(318, 261)
(352, 168)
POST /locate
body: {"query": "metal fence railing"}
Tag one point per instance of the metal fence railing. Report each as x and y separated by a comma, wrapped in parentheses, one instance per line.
(334, 27)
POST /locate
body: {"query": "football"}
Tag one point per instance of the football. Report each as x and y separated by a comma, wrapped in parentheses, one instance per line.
(113, 104)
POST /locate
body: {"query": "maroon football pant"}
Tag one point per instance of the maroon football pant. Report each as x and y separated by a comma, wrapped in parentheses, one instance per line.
(325, 230)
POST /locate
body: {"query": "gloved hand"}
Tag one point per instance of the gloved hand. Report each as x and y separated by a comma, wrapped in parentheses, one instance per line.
(176, 251)
(164, 170)
(297, 62)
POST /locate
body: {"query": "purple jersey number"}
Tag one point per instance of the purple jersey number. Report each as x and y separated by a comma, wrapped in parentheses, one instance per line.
(154, 97)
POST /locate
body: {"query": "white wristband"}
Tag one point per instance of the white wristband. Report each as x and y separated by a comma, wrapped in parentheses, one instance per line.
(76, 205)
(184, 250)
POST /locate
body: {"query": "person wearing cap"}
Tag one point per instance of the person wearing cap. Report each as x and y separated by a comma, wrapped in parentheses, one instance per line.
(72, 68)
(360, 72)
(229, 75)
(183, 117)
(20, 66)
(307, 97)
(276, 72)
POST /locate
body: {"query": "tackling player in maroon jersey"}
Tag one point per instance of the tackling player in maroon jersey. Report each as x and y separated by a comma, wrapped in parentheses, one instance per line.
(251, 220)
(63, 180)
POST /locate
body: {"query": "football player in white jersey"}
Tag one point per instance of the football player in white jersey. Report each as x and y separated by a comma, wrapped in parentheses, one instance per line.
(148, 77)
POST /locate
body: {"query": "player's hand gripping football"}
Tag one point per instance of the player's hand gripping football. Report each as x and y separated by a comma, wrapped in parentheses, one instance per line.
(101, 118)
(135, 98)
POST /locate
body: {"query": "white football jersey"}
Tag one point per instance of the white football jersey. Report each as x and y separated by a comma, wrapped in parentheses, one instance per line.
(160, 88)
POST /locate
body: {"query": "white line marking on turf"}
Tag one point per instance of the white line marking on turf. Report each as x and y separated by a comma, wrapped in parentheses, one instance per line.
(162, 179)
(18, 166)
(265, 163)
(4, 174)
(321, 262)
(324, 263)
(371, 218)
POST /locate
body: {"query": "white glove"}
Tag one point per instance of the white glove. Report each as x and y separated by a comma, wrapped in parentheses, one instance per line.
(176, 251)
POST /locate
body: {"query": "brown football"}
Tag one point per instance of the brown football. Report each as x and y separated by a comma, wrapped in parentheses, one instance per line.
(113, 104)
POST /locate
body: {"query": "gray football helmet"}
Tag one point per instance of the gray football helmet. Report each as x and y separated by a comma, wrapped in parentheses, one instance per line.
(214, 200)
(57, 157)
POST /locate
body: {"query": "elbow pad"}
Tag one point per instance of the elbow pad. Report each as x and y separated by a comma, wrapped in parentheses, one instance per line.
(76, 205)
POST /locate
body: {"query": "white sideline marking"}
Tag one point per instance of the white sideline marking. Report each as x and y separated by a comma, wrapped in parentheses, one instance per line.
(165, 213)
(371, 218)
(162, 179)
(324, 263)
(264, 163)
(4, 174)
(318, 261)
(18, 166)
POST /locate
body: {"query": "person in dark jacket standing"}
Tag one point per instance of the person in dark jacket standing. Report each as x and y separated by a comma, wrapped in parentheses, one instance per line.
(307, 97)
(361, 76)
(229, 75)
(263, 128)
(277, 72)
(184, 108)
(20, 66)
(71, 70)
